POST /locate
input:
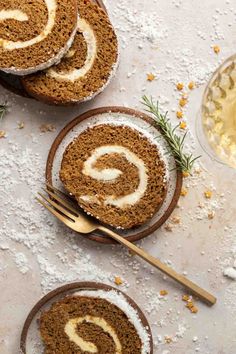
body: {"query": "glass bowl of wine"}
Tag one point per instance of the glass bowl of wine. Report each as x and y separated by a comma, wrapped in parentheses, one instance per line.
(216, 126)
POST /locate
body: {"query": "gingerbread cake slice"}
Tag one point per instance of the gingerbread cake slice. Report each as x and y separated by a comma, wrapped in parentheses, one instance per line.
(97, 321)
(87, 67)
(35, 35)
(116, 174)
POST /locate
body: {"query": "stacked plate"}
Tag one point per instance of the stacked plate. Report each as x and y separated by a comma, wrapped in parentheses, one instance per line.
(57, 51)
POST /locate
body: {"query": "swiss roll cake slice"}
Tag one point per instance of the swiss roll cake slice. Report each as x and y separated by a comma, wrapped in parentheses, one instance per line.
(87, 67)
(116, 174)
(94, 321)
(35, 35)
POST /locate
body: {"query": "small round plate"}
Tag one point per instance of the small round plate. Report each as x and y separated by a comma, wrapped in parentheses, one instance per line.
(31, 343)
(139, 121)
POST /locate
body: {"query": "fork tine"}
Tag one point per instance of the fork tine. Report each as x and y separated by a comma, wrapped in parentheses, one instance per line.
(58, 191)
(58, 207)
(66, 221)
(60, 200)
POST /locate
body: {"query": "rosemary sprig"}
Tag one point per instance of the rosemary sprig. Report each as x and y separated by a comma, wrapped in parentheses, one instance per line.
(184, 161)
(3, 110)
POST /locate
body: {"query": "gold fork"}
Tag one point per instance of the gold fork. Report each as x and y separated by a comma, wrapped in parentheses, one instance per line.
(80, 222)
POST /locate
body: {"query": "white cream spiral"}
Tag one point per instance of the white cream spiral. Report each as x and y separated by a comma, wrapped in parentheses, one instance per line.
(111, 174)
(21, 16)
(91, 43)
(71, 331)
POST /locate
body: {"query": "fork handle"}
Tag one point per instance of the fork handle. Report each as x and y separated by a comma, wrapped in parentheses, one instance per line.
(194, 288)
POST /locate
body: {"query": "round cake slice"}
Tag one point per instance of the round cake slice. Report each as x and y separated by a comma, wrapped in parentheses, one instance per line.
(97, 321)
(88, 66)
(35, 35)
(116, 174)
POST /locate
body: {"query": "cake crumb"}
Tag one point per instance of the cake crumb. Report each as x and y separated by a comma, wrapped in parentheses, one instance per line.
(168, 227)
(216, 49)
(185, 174)
(208, 194)
(179, 114)
(180, 86)
(118, 281)
(44, 128)
(183, 102)
(185, 297)
(168, 339)
(194, 309)
(183, 125)
(2, 134)
(190, 304)
(191, 85)
(183, 192)
(211, 215)
(150, 77)
(163, 292)
(176, 219)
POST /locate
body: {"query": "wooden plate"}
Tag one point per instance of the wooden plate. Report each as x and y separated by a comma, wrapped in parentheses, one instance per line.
(121, 116)
(31, 343)
(13, 82)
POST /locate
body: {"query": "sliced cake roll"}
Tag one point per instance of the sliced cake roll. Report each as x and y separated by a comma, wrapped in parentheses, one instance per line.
(35, 35)
(87, 67)
(97, 321)
(116, 174)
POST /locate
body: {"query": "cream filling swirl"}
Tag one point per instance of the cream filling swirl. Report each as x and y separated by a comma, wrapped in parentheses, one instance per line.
(91, 43)
(86, 346)
(21, 16)
(111, 174)
(13, 14)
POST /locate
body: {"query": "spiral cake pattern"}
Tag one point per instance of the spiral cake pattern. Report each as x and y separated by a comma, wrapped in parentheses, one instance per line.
(116, 174)
(88, 66)
(95, 321)
(35, 35)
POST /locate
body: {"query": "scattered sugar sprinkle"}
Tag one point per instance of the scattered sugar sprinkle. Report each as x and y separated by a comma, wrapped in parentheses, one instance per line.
(230, 273)
(22, 262)
(44, 128)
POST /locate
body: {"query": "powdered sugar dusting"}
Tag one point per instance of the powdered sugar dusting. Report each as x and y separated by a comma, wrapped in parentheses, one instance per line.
(22, 262)
(201, 243)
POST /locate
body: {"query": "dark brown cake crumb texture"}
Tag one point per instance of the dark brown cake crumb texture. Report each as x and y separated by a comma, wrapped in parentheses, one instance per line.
(52, 324)
(46, 88)
(43, 51)
(79, 185)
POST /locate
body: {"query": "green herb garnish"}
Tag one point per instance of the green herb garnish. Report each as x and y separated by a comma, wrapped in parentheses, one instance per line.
(3, 110)
(184, 161)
